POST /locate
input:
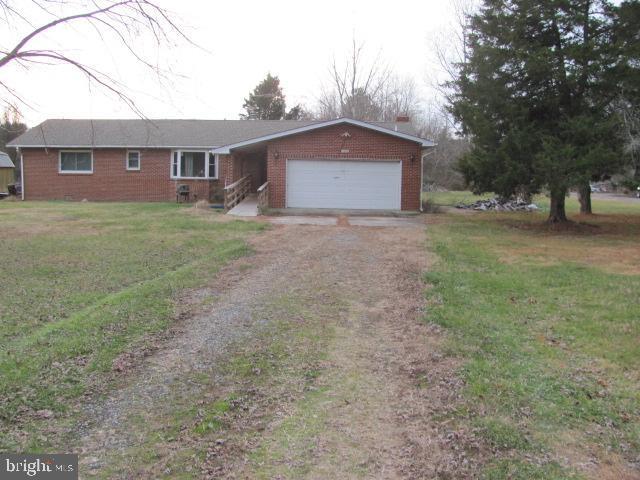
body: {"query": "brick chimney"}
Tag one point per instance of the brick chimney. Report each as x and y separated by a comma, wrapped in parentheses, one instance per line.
(402, 119)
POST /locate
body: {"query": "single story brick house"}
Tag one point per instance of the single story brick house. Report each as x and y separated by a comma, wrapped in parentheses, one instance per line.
(336, 164)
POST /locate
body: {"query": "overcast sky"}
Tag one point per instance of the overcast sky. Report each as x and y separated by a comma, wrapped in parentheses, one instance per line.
(242, 41)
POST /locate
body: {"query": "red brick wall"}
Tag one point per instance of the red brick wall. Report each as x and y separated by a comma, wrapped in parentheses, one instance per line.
(226, 169)
(329, 143)
(252, 164)
(110, 181)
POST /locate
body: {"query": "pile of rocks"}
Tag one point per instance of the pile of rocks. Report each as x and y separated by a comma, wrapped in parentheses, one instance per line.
(500, 205)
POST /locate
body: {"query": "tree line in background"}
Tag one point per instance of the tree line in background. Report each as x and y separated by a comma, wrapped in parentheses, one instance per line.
(543, 96)
(369, 91)
(11, 126)
(357, 89)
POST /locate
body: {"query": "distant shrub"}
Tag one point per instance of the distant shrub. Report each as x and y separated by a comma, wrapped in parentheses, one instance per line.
(630, 184)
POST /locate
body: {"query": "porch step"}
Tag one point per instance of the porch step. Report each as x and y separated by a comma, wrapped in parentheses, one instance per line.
(246, 208)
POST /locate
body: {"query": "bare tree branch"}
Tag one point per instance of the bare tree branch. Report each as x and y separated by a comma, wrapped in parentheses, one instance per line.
(127, 20)
(450, 54)
(366, 92)
(101, 78)
(630, 115)
(11, 55)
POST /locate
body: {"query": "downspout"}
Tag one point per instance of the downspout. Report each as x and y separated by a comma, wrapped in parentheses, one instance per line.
(425, 153)
(21, 174)
(422, 155)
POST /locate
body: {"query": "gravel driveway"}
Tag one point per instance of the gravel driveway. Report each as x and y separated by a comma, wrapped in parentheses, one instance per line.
(375, 273)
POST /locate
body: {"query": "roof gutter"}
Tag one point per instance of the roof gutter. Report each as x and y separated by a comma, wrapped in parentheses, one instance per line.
(163, 147)
(421, 180)
(21, 174)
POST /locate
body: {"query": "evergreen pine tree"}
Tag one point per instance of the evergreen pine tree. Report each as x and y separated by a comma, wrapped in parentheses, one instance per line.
(536, 93)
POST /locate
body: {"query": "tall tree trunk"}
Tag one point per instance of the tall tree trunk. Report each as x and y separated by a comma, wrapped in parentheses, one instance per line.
(584, 196)
(523, 195)
(557, 213)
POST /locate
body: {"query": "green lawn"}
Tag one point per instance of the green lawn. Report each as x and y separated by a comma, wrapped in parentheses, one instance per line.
(85, 282)
(452, 198)
(547, 324)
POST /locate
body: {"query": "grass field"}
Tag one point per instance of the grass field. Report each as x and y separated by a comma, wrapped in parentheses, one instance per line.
(544, 323)
(452, 198)
(547, 324)
(83, 283)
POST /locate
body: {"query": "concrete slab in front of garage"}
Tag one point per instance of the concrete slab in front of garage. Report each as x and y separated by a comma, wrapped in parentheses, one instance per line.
(318, 212)
(415, 221)
(304, 220)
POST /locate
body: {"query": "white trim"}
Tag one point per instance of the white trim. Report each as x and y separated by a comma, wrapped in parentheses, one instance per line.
(314, 126)
(126, 161)
(21, 174)
(217, 165)
(206, 151)
(422, 157)
(133, 147)
(421, 180)
(74, 172)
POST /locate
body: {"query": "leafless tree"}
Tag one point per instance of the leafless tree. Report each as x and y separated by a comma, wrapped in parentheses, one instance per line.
(450, 47)
(366, 90)
(126, 21)
(630, 115)
(400, 97)
(440, 164)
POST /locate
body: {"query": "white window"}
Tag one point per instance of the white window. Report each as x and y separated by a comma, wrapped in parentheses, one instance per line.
(213, 165)
(76, 161)
(194, 164)
(133, 160)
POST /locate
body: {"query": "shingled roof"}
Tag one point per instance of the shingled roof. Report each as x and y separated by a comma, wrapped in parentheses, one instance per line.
(163, 133)
(5, 161)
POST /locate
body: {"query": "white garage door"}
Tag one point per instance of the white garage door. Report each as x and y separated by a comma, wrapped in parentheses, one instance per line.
(343, 184)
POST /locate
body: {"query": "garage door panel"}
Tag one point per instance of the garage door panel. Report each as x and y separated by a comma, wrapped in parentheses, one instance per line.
(343, 184)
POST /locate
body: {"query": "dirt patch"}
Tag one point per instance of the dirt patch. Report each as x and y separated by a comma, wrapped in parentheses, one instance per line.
(35, 227)
(592, 461)
(454, 211)
(608, 243)
(623, 259)
(571, 227)
(343, 221)
(579, 226)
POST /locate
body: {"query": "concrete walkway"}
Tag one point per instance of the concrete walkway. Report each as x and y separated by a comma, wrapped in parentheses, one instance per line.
(246, 208)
